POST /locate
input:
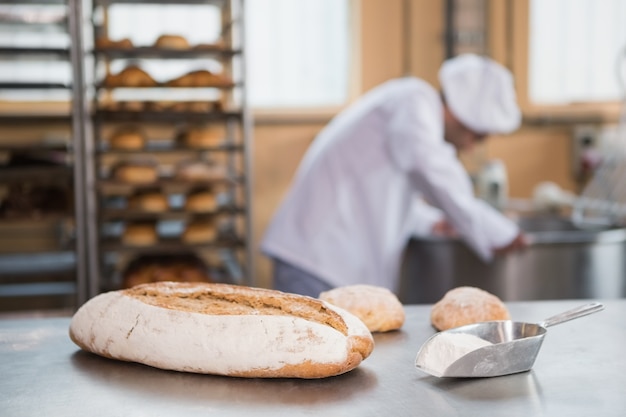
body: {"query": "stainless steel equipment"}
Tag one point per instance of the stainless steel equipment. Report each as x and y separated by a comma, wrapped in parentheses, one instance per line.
(513, 349)
(561, 262)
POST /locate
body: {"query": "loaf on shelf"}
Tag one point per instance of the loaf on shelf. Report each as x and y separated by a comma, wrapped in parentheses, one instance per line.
(200, 171)
(153, 201)
(204, 136)
(106, 43)
(136, 172)
(141, 233)
(200, 231)
(176, 42)
(127, 138)
(200, 78)
(131, 76)
(184, 267)
(201, 201)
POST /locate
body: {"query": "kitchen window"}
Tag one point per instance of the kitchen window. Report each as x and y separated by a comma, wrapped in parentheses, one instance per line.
(576, 50)
(297, 51)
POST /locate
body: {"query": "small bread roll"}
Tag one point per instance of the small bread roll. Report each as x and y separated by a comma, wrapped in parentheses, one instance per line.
(150, 201)
(127, 139)
(202, 136)
(200, 78)
(201, 201)
(131, 76)
(171, 42)
(200, 231)
(467, 305)
(377, 307)
(140, 234)
(131, 173)
(199, 171)
(104, 43)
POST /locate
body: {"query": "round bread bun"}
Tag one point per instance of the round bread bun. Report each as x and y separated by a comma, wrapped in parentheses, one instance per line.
(377, 307)
(185, 267)
(136, 173)
(151, 201)
(104, 43)
(200, 201)
(199, 171)
(131, 76)
(199, 231)
(171, 42)
(140, 234)
(200, 78)
(467, 305)
(202, 136)
(127, 138)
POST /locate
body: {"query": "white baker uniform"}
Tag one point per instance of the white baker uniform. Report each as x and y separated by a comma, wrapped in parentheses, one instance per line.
(355, 200)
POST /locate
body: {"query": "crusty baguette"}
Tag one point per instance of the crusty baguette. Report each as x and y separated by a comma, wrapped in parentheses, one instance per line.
(222, 329)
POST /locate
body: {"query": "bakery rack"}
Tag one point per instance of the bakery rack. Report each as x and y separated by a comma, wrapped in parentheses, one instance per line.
(42, 259)
(229, 256)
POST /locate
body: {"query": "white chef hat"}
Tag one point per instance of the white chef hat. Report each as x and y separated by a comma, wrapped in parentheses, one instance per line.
(480, 93)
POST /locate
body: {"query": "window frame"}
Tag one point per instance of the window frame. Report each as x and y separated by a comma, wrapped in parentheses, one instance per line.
(509, 44)
(323, 114)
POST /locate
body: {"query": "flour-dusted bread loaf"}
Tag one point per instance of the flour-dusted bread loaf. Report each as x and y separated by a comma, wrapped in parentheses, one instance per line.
(377, 307)
(467, 305)
(222, 329)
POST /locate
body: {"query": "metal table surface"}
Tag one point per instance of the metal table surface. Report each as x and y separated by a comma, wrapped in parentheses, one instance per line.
(580, 371)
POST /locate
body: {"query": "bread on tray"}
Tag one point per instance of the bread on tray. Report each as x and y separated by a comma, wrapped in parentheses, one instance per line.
(200, 78)
(172, 42)
(131, 76)
(104, 43)
(222, 329)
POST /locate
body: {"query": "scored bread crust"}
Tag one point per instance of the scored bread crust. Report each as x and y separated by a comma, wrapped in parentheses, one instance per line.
(222, 329)
(467, 305)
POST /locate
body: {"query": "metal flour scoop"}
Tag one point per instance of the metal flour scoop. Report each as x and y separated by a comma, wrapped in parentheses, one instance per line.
(491, 348)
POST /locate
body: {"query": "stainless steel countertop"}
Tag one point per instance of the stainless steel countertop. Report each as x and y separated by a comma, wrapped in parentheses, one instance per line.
(580, 371)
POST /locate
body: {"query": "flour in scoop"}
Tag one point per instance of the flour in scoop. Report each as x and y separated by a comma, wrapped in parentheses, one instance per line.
(444, 349)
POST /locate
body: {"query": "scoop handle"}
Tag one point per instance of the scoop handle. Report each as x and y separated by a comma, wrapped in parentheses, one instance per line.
(573, 314)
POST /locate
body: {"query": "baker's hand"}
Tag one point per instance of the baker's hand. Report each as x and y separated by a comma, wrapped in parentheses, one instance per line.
(443, 228)
(520, 242)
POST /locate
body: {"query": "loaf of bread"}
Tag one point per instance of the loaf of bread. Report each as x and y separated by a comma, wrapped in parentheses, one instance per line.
(200, 201)
(171, 42)
(136, 172)
(222, 329)
(467, 305)
(183, 267)
(152, 201)
(200, 231)
(127, 138)
(140, 234)
(199, 171)
(199, 137)
(104, 43)
(200, 78)
(377, 307)
(131, 76)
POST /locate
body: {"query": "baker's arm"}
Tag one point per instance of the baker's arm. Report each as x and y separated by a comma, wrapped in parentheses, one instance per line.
(416, 145)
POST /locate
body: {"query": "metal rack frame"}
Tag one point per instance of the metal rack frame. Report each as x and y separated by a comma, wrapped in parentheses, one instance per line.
(92, 148)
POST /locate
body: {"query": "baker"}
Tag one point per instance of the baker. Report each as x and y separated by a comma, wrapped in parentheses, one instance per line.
(386, 169)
